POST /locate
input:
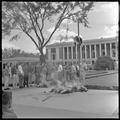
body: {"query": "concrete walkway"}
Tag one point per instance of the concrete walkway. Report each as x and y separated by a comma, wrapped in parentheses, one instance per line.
(27, 103)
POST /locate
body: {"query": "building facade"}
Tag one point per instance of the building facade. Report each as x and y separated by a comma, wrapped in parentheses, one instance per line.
(90, 50)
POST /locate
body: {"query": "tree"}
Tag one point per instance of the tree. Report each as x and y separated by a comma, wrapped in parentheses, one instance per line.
(11, 52)
(103, 63)
(28, 17)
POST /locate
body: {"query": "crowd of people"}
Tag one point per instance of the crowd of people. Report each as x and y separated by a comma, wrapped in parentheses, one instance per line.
(23, 74)
(19, 75)
(71, 73)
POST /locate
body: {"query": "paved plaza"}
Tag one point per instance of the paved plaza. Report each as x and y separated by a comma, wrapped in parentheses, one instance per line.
(27, 103)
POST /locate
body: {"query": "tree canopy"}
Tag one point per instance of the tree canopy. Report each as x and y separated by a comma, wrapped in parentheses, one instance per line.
(11, 52)
(103, 63)
(28, 17)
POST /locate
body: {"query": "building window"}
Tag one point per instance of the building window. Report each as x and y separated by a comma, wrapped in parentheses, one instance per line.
(61, 53)
(83, 51)
(102, 49)
(113, 46)
(113, 50)
(74, 52)
(65, 49)
(53, 53)
(78, 51)
(92, 51)
(108, 49)
(88, 51)
(70, 53)
(97, 50)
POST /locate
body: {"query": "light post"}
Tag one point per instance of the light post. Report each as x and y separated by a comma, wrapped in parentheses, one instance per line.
(78, 42)
(62, 50)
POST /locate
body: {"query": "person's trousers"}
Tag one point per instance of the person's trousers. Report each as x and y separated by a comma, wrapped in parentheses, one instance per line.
(6, 81)
(26, 80)
(21, 80)
(15, 80)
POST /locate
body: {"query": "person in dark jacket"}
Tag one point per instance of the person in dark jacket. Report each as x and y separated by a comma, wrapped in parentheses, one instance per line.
(7, 110)
(14, 75)
(25, 69)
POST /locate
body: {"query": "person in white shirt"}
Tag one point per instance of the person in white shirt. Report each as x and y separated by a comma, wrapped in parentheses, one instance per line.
(60, 68)
(83, 68)
(21, 76)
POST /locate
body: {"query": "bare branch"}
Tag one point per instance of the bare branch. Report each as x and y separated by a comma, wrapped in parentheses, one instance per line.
(32, 39)
(57, 25)
(42, 41)
(31, 17)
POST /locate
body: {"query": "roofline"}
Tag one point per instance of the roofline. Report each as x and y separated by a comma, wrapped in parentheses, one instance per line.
(88, 40)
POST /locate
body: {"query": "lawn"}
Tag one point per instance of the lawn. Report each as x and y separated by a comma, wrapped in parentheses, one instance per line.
(107, 80)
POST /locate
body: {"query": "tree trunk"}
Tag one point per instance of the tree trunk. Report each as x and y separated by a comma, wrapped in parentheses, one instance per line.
(42, 57)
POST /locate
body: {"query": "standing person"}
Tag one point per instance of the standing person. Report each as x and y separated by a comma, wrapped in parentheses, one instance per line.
(10, 70)
(6, 76)
(60, 73)
(14, 75)
(33, 76)
(77, 70)
(60, 68)
(25, 69)
(83, 68)
(37, 73)
(73, 72)
(74, 75)
(21, 75)
(30, 69)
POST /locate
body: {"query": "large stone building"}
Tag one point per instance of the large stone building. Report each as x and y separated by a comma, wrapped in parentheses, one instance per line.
(66, 52)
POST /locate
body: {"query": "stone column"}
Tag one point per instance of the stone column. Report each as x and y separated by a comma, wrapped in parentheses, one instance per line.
(100, 48)
(110, 49)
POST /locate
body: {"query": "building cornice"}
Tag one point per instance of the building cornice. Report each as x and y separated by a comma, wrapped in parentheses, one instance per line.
(88, 41)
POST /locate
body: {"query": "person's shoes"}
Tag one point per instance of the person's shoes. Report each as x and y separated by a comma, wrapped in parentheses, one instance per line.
(84, 89)
(7, 88)
(21, 87)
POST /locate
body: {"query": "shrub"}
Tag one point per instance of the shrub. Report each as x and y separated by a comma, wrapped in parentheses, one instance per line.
(103, 63)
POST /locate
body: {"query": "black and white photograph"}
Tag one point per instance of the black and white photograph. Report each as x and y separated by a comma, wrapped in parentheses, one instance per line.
(60, 59)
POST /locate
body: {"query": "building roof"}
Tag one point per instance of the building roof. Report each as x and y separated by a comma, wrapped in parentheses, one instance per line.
(84, 41)
(21, 59)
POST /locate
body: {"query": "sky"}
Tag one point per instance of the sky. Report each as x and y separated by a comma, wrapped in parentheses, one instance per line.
(103, 22)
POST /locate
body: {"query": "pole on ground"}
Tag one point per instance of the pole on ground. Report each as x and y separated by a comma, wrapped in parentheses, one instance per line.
(79, 51)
